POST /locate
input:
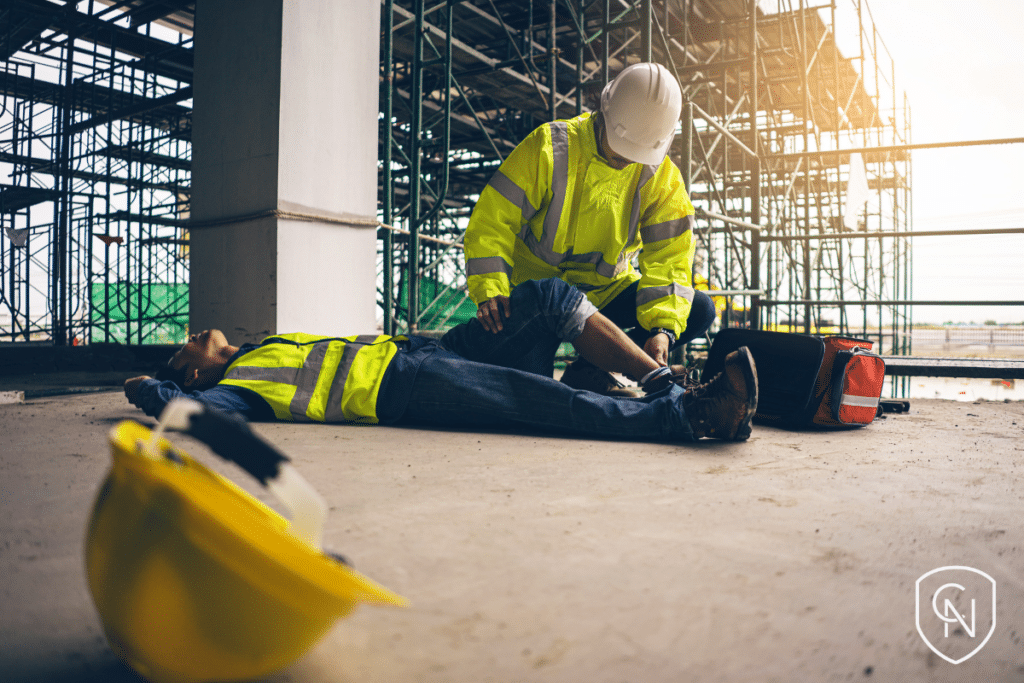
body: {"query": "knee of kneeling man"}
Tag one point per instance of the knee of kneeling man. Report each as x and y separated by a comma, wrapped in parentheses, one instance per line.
(541, 291)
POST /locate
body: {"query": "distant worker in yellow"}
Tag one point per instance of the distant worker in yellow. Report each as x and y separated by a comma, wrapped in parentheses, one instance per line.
(579, 200)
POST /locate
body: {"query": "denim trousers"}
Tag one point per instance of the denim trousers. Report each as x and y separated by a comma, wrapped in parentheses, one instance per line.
(476, 378)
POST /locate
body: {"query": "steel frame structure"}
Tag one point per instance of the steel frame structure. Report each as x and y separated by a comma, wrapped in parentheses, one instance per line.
(95, 127)
(767, 90)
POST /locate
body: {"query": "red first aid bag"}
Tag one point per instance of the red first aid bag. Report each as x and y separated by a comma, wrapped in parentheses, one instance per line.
(849, 383)
(805, 380)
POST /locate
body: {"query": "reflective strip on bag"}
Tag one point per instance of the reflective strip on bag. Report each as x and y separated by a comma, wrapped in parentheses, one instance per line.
(860, 401)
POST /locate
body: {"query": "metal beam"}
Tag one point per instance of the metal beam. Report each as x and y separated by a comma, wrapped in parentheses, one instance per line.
(907, 233)
(886, 302)
(899, 148)
(990, 368)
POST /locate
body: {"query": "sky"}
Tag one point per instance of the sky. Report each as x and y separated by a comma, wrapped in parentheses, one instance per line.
(961, 63)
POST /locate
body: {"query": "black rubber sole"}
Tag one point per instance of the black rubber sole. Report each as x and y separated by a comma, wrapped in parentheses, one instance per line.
(750, 379)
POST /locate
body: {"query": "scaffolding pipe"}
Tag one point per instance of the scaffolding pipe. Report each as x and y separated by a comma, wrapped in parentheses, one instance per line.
(911, 233)
(704, 213)
(646, 21)
(897, 148)
(388, 194)
(415, 164)
(723, 130)
(887, 302)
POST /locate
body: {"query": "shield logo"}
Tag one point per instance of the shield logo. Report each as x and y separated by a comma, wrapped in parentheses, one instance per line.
(956, 611)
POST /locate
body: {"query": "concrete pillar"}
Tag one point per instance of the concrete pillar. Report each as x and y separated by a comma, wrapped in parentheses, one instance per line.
(284, 167)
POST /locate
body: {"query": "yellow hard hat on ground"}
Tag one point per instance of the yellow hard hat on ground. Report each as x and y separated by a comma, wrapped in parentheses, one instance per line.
(195, 579)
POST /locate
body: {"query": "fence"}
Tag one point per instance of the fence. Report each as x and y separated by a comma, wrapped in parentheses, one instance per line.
(949, 337)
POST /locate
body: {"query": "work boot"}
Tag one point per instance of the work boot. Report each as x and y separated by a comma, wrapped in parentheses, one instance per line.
(677, 374)
(582, 374)
(723, 407)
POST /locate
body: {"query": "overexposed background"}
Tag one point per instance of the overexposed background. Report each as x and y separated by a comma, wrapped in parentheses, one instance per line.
(962, 67)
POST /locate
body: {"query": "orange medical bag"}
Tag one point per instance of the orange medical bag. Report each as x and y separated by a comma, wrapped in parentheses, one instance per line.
(806, 380)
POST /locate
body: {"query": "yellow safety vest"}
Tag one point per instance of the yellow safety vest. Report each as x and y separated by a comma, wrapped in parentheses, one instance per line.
(555, 208)
(309, 378)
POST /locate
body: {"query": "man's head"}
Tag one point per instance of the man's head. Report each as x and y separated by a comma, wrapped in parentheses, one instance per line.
(641, 108)
(200, 363)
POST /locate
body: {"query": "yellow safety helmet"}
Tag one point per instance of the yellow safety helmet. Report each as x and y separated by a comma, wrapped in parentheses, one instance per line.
(195, 579)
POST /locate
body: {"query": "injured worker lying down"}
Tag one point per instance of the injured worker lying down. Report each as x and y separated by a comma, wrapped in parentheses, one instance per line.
(469, 378)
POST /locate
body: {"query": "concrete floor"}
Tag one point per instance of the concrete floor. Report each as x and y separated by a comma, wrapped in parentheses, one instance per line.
(791, 557)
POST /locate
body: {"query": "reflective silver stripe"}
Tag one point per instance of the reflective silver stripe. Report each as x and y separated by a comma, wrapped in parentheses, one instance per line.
(548, 256)
(667, 230)
(596, 259)
(333, 411)
(593, 257)
(508, 189)
(487, 265)
(860, 401)
(251, 373)
(559, 183)
(634, 215)
(646, 296)
(544, 248)
(305, 381)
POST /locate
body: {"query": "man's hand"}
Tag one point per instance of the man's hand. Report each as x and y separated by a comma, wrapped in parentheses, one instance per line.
(131, 389)
(657, 348)
(489, 313)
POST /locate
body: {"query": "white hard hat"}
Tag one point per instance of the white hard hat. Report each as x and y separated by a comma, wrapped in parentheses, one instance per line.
(641, 107)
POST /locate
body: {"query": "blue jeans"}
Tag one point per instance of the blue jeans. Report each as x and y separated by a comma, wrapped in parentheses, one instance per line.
(475, 378)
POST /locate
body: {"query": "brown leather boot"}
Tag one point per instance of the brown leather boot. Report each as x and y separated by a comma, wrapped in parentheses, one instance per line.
(723, 407)
(582, 374)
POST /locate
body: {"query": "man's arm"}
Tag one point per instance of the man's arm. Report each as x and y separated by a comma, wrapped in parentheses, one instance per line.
(665, 290)
(152, 396)
(515, 193)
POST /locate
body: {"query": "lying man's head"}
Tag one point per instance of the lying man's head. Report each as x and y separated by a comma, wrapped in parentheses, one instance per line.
(200, 363)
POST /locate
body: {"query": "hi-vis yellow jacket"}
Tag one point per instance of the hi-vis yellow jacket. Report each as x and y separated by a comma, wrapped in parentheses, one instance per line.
(555, 208)
(308, 378)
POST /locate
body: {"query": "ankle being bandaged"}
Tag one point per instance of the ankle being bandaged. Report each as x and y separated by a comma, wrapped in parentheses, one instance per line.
(654, 374)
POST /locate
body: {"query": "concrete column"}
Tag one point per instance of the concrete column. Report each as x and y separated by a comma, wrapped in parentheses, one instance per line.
(284, 167)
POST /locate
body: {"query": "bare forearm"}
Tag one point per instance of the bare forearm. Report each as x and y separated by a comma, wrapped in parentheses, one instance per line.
(605, 345)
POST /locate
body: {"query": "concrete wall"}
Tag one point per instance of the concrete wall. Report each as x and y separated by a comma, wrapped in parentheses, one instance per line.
(285, 119)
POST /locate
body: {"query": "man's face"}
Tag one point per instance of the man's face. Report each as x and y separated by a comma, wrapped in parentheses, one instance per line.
(200, 352)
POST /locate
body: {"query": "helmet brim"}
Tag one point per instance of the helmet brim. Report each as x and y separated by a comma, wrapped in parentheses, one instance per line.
(636, 153)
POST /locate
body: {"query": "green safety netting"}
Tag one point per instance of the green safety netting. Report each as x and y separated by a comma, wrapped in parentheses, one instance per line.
(451, 307)
(152, 313)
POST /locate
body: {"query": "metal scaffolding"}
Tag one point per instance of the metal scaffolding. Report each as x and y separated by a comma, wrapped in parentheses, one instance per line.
(768, 90)
(95, 127)
(95, 154)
